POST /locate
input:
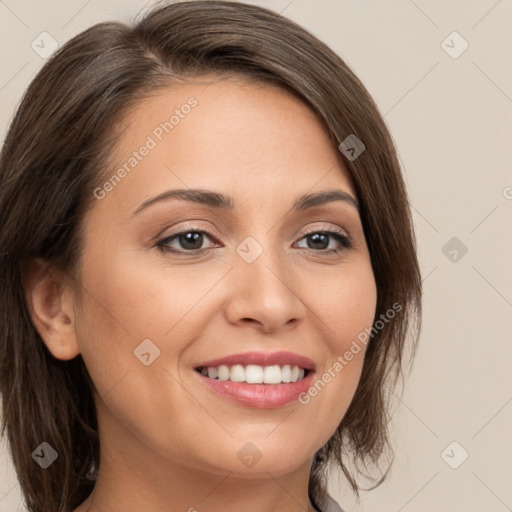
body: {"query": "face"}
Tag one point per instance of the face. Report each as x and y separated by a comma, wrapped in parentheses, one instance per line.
(243, 285)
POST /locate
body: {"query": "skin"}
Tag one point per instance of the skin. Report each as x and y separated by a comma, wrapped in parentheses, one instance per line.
(168, 443)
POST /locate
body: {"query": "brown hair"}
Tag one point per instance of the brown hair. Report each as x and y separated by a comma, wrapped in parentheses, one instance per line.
(54, 155)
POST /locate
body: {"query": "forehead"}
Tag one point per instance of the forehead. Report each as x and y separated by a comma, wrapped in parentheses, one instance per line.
(224, 133)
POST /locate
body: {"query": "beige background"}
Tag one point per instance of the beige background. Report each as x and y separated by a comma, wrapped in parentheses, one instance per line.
(451, 119)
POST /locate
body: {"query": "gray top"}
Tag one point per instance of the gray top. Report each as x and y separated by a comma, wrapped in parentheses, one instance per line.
(331, 505)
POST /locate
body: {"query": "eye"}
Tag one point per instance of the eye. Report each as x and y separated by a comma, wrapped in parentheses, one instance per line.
(321, 241)
(189, 240)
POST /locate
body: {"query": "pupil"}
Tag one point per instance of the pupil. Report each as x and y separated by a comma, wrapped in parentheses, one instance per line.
(189, 240)
(316, 238)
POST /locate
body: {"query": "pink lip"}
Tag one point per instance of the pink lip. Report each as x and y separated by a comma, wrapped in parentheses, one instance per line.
(262, 359)
(263, 396)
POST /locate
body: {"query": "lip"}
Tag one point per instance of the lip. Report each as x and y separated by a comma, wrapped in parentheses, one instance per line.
(261, 396)
(262, 359)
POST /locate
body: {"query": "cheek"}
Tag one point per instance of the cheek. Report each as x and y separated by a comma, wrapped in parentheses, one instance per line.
(345, 302)
(147, 296)
(123, 307)
(127, 300)
(345, 309)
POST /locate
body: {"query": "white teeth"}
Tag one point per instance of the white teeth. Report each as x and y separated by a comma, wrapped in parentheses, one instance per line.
(255, 374)
(237, 373)
(223, 372)
(272, 374)
(286, 373)
(212, 372)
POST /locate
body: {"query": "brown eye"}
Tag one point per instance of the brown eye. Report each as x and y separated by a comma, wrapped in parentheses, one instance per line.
(320, 241)
(189, 240)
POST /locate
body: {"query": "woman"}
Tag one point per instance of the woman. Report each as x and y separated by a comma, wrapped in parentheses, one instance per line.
(208, 268)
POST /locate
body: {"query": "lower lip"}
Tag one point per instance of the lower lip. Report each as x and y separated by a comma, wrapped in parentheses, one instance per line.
(262, 396)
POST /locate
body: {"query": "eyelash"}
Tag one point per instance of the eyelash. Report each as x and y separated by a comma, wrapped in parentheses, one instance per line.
(344, 241)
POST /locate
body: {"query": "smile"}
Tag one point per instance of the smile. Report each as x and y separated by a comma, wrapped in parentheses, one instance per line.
(264, 380)
(254, 374)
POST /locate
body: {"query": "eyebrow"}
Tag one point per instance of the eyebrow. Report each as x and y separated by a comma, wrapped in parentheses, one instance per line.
(226, 202)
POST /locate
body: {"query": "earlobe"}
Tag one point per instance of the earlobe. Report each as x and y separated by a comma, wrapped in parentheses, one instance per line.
(49, 300)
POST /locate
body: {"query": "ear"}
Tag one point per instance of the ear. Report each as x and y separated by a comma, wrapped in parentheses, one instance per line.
(49, 300)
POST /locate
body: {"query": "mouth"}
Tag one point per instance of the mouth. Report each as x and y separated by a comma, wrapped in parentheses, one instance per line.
(256, 379)
(255, 374)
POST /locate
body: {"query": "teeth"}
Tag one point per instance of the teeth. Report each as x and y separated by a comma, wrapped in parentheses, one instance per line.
(286, 373)
(272, 375)
(237, 373)
(254, 374)
(223, 372)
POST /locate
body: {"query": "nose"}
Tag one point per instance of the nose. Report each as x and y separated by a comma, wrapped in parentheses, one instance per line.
(264, 293)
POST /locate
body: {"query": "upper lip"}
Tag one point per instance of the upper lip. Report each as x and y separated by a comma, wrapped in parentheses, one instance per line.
(280, 358)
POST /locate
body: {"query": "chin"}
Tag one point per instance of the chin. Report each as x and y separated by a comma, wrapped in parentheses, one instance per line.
(258, 458)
